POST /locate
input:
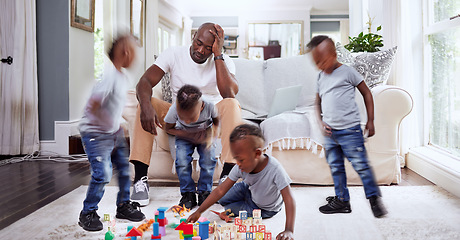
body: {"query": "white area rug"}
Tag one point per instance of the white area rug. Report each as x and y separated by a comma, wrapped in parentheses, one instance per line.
(421, 212)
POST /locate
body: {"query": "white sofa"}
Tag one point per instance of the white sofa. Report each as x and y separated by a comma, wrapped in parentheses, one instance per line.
(300, 151)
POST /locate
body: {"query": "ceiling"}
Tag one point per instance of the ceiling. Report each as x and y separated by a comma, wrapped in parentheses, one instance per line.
(232, 7)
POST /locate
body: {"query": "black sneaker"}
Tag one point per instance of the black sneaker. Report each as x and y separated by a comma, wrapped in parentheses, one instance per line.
(188, 200)
(202, 196)
(377, 206)
(335, 205)
(130, 211)
(90, 221)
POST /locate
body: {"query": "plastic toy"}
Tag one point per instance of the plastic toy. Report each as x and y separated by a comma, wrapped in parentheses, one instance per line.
(225, 215)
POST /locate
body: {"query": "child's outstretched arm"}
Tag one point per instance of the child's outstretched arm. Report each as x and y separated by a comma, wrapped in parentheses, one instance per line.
(369, 102)
(289, 205)
(215, 195)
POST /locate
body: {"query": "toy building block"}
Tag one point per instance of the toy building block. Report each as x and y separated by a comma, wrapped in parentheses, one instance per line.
(256, 213)
(196, 238)
(247, 221)
(203, 229)
(243, 215)
(253, 228)
(226, 235)
(259, 236)
(161, 212)
(242, 229)
(238, 236)
(157, 213)
(186, 228)
(262, 228)
(238, 221)
(134, 233)
(257, 221)
(109, 235)
(106, 217)
(156, 229)
(155, 237)
(268, 236)
(162, 230)
(162, 222)
(249, 236)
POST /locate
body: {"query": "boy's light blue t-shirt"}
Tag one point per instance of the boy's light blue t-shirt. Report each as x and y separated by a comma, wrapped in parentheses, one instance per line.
(337, 93)
(204, 121)
(266, 185)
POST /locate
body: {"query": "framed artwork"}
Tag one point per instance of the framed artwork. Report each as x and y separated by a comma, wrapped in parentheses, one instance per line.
(82, 14)
(137, 19)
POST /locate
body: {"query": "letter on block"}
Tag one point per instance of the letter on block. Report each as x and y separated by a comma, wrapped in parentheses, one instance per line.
(243, 215)
(257, 213)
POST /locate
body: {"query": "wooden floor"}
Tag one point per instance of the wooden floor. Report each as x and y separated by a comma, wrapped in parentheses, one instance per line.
(28, 186)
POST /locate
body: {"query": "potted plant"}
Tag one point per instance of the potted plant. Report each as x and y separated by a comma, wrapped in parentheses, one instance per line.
(370, 42)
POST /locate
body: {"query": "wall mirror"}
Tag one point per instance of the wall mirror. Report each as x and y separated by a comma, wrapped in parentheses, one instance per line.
(276, 39)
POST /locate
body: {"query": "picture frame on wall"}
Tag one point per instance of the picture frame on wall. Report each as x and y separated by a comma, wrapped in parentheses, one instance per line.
(137, 19)
(82, 14)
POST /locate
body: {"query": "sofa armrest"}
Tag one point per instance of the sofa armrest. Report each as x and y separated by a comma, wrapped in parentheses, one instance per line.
(391, 105)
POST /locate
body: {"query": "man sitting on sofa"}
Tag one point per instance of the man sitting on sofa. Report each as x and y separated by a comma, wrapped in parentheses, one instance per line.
(187, 65)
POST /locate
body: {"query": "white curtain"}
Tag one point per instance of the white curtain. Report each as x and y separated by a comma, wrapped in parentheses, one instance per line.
(401, 23)
(18, 83)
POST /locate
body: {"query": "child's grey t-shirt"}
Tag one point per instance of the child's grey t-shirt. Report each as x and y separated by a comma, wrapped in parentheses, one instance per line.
(112, 90)
(265, 186)
(204, 121)
(337, 93)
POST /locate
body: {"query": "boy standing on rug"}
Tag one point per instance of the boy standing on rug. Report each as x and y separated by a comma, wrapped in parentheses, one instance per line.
(192, 120)
(339, 116)
(265, 183)
(103, 138)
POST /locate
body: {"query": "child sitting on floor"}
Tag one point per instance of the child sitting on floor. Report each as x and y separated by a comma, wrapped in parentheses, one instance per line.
(265, 183)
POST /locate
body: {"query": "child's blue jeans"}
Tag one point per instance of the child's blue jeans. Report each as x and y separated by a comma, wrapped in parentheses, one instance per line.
(103, 150)
(349, 143)
(207, 163)
(239, 198)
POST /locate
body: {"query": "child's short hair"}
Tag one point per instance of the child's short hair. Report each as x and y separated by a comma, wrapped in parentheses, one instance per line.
(115, 43)
(317, 40)
(242, 131)
(188, 96)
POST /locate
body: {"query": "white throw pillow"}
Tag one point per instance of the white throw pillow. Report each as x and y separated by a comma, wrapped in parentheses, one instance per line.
(373, 66)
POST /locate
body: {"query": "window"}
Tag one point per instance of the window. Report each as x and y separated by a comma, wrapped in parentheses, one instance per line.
(98, 41)
(166, 36)
(442, 51)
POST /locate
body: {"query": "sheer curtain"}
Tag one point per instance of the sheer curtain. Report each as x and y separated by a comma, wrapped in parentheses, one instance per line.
(18, 81)
(402, 27)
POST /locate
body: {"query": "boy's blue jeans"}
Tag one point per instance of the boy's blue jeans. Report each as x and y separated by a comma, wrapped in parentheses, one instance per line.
(103, 150)
(349, 143)
(207, 162)
(239, 198)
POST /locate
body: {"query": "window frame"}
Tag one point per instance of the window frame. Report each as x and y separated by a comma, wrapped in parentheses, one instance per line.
(431, 27)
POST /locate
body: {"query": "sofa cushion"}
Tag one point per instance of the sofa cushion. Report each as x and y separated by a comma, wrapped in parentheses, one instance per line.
(250, 77)
(284, 72)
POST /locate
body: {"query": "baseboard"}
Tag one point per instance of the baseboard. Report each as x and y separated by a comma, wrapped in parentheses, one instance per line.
(62, 131)
(436, 167)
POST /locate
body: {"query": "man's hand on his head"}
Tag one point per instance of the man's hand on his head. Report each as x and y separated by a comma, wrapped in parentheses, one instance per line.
(218, 40)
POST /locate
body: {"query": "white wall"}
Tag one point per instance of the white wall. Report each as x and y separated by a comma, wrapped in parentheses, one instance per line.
(81, 70)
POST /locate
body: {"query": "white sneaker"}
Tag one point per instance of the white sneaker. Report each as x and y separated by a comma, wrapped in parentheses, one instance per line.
(140, 192)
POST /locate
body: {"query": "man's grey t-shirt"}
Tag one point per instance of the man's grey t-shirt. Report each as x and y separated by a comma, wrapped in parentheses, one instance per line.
(265, 186)
(204, 121)
(337, 93)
